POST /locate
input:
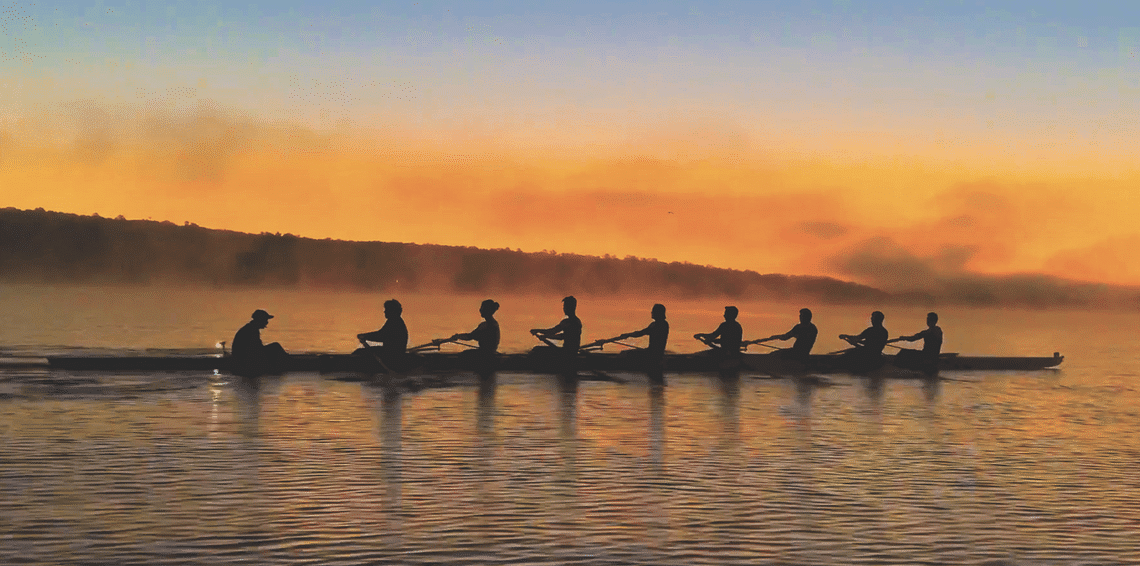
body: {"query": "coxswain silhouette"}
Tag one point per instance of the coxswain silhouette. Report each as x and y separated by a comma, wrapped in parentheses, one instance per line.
(867, 351)
(250, 356)
(392, 337)
(926, 359)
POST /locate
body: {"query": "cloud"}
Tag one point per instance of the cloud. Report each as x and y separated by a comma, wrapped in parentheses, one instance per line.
(702, 200)
(1111, 260)
(822, 230)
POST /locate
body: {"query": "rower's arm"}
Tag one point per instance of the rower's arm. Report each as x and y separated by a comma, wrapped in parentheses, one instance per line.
(554, 332)
(710, 339)
(911, 338)
(376, 336)
(636, 334)
(785, 336)
(474, 334)
(382, 336)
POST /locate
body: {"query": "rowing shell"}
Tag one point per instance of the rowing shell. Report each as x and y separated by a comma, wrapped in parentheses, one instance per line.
(542, 363)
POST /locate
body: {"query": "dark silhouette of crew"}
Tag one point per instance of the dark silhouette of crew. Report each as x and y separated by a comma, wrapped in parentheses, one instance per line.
(569, 330)
(652, 358)
(727, 337)
(392, 337)
(657, 331)
(486, 335)
(805, 333)
(250, 355)
(927, 358)
(867, 351)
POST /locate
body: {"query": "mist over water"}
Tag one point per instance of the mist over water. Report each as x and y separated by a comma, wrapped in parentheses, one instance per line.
(191, 467)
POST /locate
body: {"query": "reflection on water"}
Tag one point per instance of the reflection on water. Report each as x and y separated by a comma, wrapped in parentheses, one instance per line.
(526, 468)
(391, 467)
(176, 468)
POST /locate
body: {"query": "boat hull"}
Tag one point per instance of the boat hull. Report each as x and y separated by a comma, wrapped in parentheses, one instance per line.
(542, 362)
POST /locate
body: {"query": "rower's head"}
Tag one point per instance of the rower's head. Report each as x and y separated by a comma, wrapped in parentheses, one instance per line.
(730, 313)
(805, 315)
(393, 308)
(877, 318)
(658, 312)
(569, 305)
(487, 308)
(931, 318)
(261, 318)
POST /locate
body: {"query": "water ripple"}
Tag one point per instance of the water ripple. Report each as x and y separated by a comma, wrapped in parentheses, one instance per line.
(177, 469)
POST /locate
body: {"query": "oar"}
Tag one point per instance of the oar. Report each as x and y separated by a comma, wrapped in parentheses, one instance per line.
(747, 344)
(599, 344)
(704, 341)
(376, 357)
(433, 345)
(845, 350)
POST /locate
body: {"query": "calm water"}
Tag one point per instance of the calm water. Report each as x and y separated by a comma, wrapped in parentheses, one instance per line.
(983, 468)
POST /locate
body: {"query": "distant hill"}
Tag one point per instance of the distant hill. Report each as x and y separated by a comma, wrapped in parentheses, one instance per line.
(52, 247)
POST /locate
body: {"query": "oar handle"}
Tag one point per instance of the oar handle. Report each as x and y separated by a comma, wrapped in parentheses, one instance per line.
(599, 344)
(760, 342)
(433, 344)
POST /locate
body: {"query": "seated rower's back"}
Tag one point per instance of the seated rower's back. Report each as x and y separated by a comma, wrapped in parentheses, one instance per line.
(569, 330)
(804, 333)
(728, 337)
(247, 350)
(657, 331)
(931, 342)
(486, 334)
(868, 345)
(393, 336)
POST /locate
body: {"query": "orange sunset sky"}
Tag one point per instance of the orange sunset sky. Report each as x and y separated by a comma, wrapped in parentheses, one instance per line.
(883, 142)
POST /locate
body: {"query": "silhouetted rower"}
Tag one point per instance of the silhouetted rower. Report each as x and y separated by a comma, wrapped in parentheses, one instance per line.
(652, 358)
(249, 355)
(392, 337)
(727, 337)
(486, 335)
(805, 333)
(569, 331)
(867, 353)
(657, 331)
(927, 358)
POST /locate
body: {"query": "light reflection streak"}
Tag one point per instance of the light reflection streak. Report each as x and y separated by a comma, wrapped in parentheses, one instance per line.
(487, 474)
(657, 509)
(566, 515)
(391, 463)
(212, 428)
